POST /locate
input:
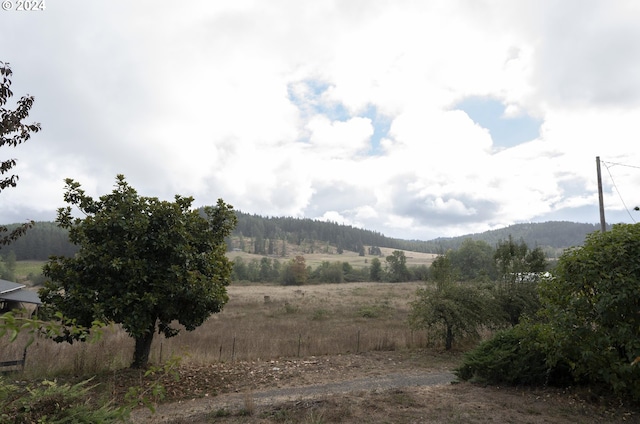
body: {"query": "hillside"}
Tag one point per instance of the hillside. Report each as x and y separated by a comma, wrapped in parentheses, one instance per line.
(266, 232)
(552, 236)
(268, 236)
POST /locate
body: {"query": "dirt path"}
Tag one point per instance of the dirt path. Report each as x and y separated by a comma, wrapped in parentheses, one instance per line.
(195, 411)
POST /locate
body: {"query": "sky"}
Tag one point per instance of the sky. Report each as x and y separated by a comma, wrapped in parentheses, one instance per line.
(414, 118)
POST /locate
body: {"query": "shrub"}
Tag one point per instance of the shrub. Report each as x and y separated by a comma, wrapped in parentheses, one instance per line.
(515, 356)
(460, 310)
(589, 329)
(49, 402)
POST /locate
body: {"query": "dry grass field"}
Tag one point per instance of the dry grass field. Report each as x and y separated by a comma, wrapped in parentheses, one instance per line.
(259, 322)
(273, 337)
(355, 260)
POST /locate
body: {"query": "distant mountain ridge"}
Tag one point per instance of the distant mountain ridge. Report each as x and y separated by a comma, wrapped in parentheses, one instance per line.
(47, 239)
(550, 235)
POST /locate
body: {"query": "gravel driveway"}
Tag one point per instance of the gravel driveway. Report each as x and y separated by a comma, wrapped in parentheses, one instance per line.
(190, 411)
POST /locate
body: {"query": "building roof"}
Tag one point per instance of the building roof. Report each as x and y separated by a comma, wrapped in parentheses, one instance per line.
(17, 293)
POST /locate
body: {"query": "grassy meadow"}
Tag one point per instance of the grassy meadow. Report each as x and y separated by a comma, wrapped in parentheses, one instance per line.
(259, 322)
(355, 260)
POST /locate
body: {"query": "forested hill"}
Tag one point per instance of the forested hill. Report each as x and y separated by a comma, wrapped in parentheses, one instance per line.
(263, 234)
(43, 240)
(553, 236)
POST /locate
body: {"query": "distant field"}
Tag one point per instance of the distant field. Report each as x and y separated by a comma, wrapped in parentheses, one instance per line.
(24, 268)
(356, 261)
(260, 321)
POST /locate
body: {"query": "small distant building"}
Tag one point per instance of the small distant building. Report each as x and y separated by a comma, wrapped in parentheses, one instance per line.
(16, 296)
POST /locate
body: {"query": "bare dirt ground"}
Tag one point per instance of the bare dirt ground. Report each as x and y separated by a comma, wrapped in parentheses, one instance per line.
(374, 387)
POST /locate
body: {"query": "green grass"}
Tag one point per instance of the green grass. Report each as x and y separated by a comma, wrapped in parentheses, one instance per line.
(24, 268)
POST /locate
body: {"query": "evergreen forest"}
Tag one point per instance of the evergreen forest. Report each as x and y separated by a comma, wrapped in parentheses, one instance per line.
(265, 236)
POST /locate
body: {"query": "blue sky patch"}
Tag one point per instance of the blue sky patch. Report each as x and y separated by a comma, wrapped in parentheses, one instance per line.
(505, 131)
(309, 99)
(381, 125)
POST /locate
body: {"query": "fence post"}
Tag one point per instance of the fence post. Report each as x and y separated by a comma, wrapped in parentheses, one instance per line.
(299, 341)
(233, 350)
(358, 343)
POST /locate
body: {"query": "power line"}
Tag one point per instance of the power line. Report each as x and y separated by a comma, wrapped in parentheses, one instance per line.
(620, 164)
(616, 187)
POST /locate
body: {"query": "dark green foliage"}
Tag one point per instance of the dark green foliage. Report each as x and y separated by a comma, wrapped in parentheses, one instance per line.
(49, 402)
(593, 304)
(515, 300)
(515, 262)
(328, 272)
(397, 267)
(474, 261)
(141, 261)
(375, 272)
(13, 132)
(295, 272)
(43, 240)
(516, 356)
(441, 271)
(458, 310)
(551, 236)
(419, 272)
(589, 325)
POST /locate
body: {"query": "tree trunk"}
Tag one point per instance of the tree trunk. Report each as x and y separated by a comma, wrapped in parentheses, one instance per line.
(143, 347)
(449, 338)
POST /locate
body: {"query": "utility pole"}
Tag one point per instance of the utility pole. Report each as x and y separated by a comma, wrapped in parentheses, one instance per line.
(603, 224)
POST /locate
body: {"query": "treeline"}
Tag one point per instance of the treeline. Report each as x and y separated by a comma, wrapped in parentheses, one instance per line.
(474, 261)
(269, 236)
(295, 271)
(45, 239)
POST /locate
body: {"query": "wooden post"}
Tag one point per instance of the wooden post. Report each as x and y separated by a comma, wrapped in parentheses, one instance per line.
(603, 223)
(233, 350)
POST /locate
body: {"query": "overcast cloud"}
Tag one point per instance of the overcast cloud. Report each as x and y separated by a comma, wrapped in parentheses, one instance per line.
(417, 119)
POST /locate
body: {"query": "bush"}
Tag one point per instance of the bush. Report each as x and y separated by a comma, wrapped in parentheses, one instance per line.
(49, 402)
(589, 328)
(460, 310)
(517, 356)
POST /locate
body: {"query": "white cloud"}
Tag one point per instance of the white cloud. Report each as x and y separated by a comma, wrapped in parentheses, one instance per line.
(270, 107)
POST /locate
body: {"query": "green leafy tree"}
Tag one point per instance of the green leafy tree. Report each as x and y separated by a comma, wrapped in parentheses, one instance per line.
(519, 269)
(240, 270)
(375, 273)
(510, 259)
(13, 131)
(458, 310)
(397, 267)
(295, 273)
(474, 260)
(588, 330)
(593, 303)
(441, 271)
(142, 262)
(265, 269)
(8, 262)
